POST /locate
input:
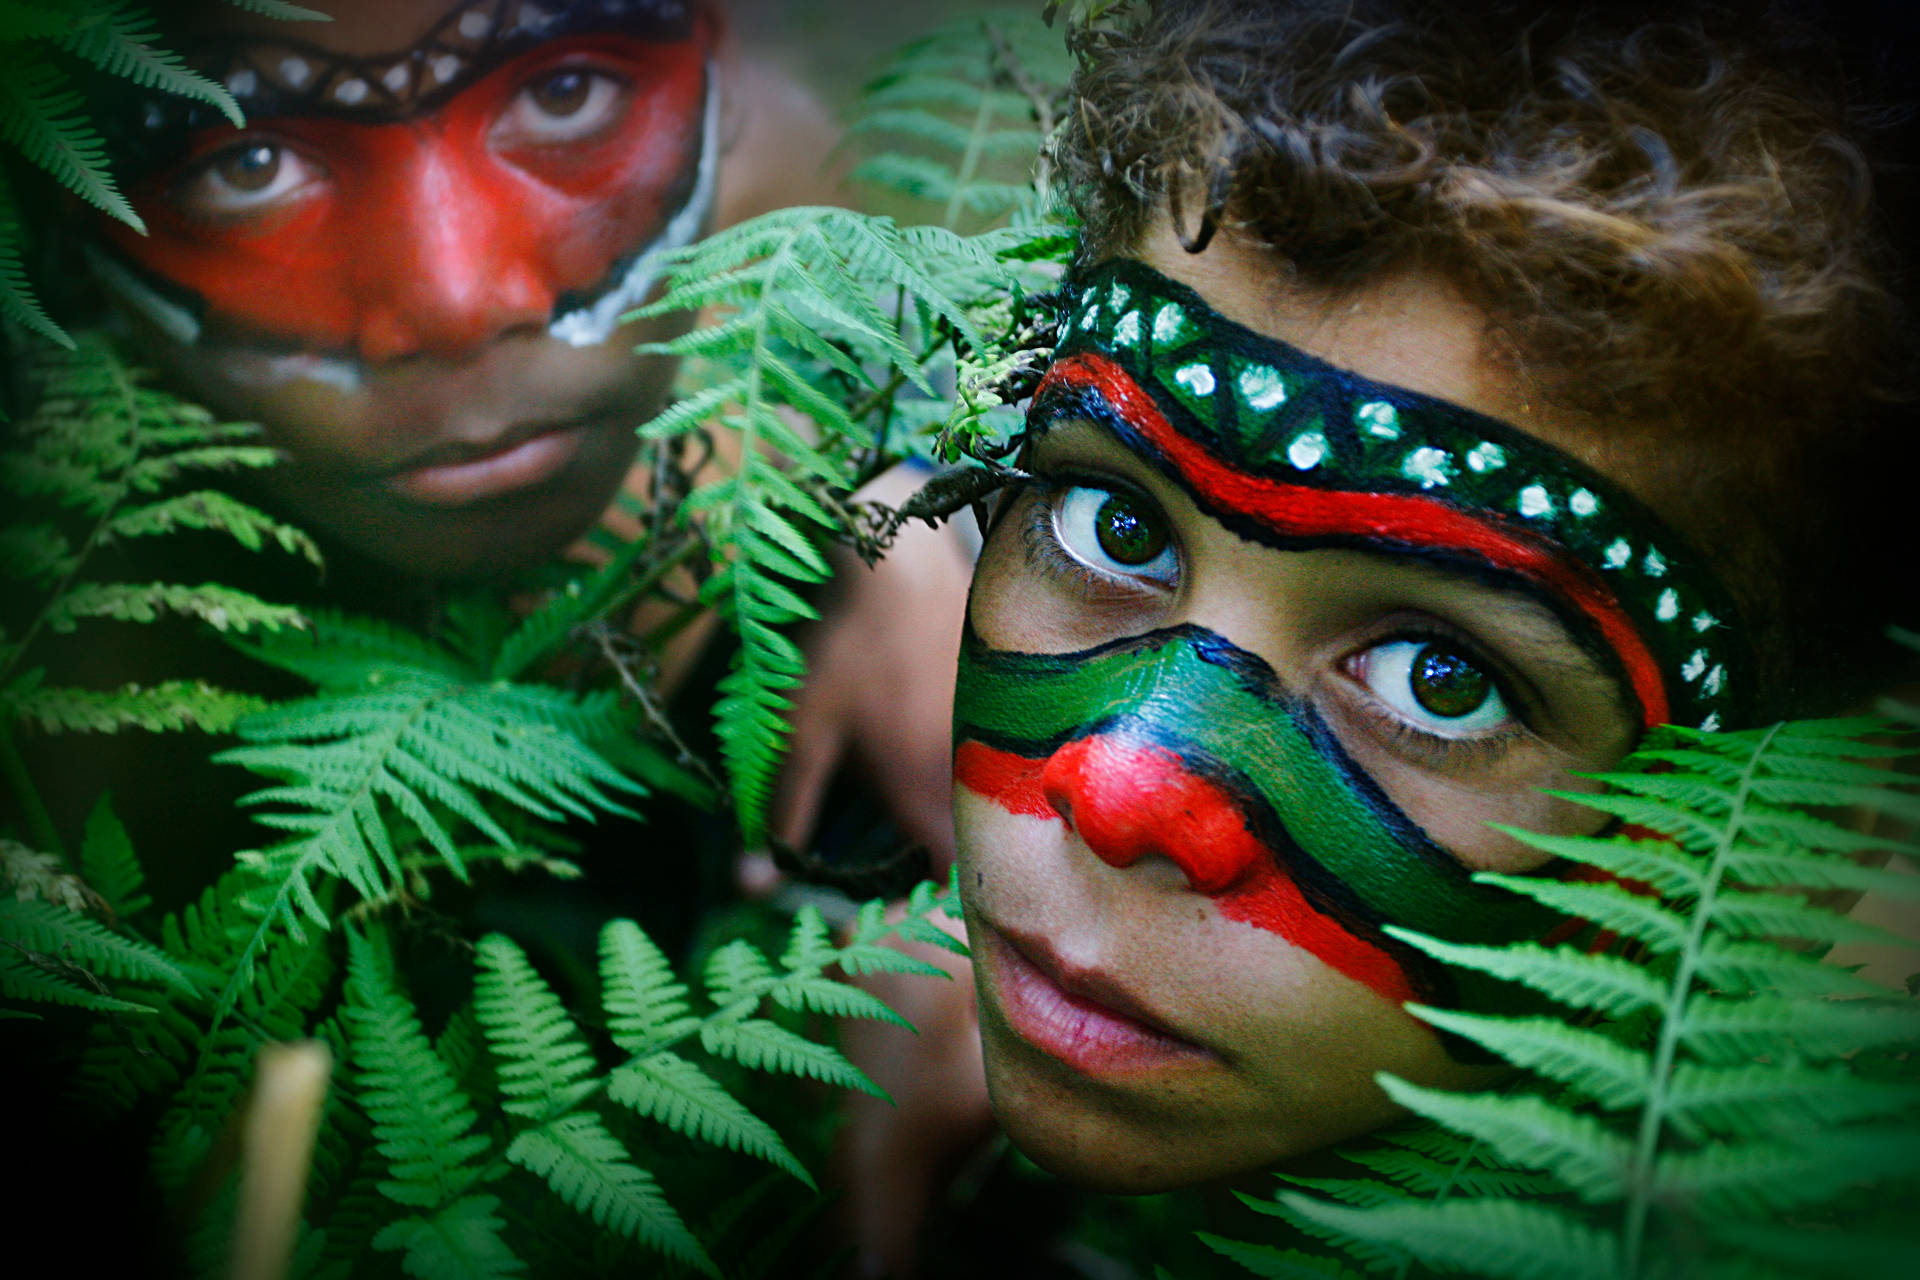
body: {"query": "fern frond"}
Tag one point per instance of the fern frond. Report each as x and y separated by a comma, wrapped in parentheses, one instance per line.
(1493, 1238)
(1753, 1097)
(667, 1088)
(1529, 1131)
(1612, 907)
(543, 1061)
(64, 934)
(799, 285)
(1278, 1264)
(646, 1004)
(168, 706)
(221, 607)
(119, 38)
(588, 1168)
(462, 1241)
(424, 1126)
(1608, 984)
(18, 305)
(38, 978)
(108, 862)
(42, 115)
(1730, 1031)
(1754, 1179)
(209, 509)
(760, 1045)
(1600, 1067)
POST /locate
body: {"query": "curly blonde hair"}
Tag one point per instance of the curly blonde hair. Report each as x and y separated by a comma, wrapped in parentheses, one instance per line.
(1666, 212)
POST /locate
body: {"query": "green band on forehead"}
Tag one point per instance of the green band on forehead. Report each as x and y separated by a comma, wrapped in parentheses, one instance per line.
(1290, 450)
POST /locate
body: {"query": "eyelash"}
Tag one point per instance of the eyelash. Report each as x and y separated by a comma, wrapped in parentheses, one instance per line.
(1480, 752)
(1042, 543)
(1044, 553)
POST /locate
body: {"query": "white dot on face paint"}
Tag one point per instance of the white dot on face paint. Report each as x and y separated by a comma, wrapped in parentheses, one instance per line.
(445, 67)
(1127, 332)
(1619, 551)
(1695, 666)
(1535, 501)
(242, 82)
(1197, 378)
(1429, 466)
(1263, 387)
(350, 91)
(295, 71)
(1486, 456)
(1583, 503)
(1307, 450)
(1379, 418)
(396, 77)
(474, 24)
(1167, 323)
(1669, 606)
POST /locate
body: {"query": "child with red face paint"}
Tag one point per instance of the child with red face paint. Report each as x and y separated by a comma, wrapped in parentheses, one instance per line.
(1447, 393)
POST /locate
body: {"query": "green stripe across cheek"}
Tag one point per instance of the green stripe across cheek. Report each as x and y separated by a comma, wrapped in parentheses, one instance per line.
(1220, 709)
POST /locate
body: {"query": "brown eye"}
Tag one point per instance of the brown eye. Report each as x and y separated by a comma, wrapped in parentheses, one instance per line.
(562, 93)
(1447, 684)
(251, 168)
(1127, 531)
(1434, 688)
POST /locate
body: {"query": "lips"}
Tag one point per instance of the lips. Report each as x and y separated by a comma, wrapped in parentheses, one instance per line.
(1082, 1018)
(457, 474)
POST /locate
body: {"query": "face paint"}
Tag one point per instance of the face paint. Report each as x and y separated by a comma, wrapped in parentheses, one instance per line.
(520, 164)
(1295, 453)
(1178, 744)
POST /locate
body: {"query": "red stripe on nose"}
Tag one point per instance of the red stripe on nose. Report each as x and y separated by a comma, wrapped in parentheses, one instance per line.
(1128, 800)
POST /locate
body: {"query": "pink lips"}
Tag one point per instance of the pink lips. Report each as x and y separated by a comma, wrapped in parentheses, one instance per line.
(516, 465)
(1081, 1019)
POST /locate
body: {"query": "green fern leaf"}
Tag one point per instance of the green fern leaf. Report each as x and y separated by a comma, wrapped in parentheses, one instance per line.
(22, 979)
(1766, 966)
(1765, 868)
(42, 115)
(1658, 863)
(222, 607)
(1573, 977)
(165, 707)
(1528, 1131)
(108, 862)
(1754, 1179)
(667, 1088)
(646, 1004)
(1729, 1031)
(73, 938)
(1612, 1074)
(1492, 1238)
(737, 971)
(462, 1241)
(119, 39)
(761, 1045)
(1609, 906)
(18, 305)
(1770, 1097)
(210, 509)
(1747, 915)
(1278, 1264)
(588, 1168)
(36, 554)
(424, 1126)
(543, 1061)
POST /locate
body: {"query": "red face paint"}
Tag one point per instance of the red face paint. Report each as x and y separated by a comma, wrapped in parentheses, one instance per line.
(440, 231)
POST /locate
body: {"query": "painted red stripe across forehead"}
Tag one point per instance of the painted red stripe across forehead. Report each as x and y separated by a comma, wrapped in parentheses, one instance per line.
(1402, 519)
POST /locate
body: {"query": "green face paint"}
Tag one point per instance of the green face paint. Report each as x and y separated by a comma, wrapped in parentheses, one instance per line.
(1176, 743)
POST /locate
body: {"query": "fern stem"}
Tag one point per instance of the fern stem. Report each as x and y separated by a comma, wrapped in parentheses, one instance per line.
(970, 159)
(40, 828)
(1640, 1172)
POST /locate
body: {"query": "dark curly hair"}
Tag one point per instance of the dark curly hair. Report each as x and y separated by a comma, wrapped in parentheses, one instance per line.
(1669, 213)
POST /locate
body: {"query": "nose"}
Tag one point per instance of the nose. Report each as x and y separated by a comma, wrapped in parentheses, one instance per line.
(460, 262)
(1128, 799)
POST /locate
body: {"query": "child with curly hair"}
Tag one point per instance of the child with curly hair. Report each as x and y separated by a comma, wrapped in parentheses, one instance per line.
(1449, 393)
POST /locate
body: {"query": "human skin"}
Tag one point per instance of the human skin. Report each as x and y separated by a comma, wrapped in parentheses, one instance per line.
(1137, 1036)
(381, 296)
